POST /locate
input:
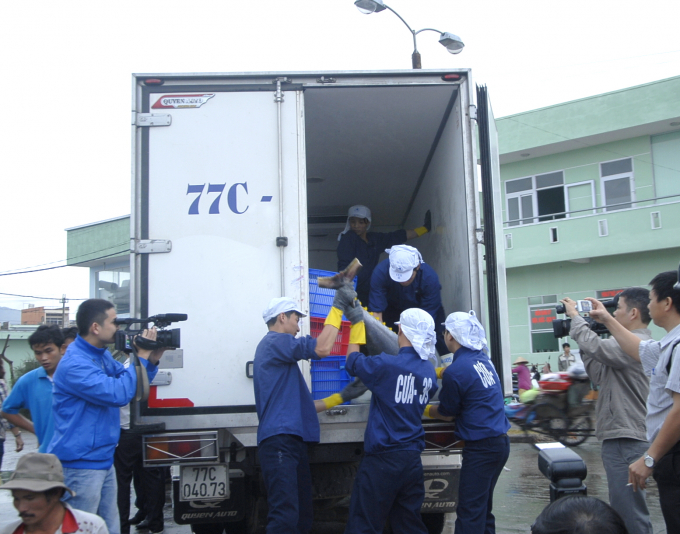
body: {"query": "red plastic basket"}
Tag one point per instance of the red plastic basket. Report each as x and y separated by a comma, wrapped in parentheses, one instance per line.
(341, 342)
(559, 382)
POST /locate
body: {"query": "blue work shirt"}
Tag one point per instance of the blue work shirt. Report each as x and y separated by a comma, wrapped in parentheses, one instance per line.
(282, 399)
(401, 387)
(34, 391)
(352, 246)
(90, 387)
(424, 292)
(472, 393)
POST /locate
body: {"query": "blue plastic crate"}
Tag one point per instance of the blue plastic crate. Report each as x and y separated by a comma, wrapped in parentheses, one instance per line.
(321, 299)
(328, 376)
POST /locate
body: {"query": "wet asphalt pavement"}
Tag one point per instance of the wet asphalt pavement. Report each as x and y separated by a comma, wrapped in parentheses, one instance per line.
(521, 493)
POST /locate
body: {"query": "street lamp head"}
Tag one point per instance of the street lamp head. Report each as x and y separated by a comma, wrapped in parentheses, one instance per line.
(369, 6)
(452, 42)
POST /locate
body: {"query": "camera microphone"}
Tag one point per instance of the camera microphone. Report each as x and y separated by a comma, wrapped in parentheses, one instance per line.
(171, 317)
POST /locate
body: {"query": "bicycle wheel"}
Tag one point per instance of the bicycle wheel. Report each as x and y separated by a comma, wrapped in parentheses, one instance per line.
(578, 431)
(547, 419)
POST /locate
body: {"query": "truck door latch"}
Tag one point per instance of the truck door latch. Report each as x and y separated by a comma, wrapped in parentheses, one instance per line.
(151, 119)
(337, 411)
(151, 246)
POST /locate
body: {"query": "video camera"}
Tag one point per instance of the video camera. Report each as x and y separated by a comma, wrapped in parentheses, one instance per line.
(561, 327)
(123, 339)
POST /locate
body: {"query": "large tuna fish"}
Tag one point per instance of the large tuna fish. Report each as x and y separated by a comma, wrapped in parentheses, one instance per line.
(379, 338)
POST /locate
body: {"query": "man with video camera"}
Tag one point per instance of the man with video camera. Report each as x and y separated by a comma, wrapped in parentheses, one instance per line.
(660, 362)
(621, 405)
(89, 389)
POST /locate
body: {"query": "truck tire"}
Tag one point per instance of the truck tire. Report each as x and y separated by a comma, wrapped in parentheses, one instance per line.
(207, 528)
(236, 527)
(333, 481)
(434, 522)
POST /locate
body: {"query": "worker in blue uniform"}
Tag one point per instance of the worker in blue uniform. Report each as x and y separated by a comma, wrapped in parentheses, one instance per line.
(473, 395)
(286, 411)
(389, 483)
(355, 241)
(405, 281)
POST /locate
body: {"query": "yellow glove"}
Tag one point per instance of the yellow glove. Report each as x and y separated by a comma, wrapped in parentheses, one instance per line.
(334, 318)
(440, 371)
(426, 413)
(332, 401)
(357, 333)
(421, 230)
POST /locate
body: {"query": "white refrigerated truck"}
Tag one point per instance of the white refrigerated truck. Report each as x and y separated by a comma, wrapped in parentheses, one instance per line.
(241, 183)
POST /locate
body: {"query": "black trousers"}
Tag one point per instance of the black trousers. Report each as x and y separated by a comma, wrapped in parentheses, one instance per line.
(667, 476)
(149, 483)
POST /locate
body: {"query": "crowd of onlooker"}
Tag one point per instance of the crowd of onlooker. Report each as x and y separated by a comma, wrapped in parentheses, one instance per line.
(79, 399)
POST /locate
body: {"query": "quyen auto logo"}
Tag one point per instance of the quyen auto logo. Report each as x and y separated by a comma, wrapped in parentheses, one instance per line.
(182, 101)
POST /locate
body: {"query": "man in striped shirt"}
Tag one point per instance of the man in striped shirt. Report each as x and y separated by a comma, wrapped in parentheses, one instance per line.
(658, 359)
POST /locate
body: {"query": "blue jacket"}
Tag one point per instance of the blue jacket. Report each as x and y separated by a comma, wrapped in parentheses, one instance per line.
(401, 387)
(34, 391)
(89, 389)
(424, 292)
(472, 393)
(352, 246)
(282, 399)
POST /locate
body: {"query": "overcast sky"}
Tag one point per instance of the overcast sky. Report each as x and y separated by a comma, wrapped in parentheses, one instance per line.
(66, 91)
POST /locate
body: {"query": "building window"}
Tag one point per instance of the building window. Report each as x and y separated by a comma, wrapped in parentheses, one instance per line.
(113, 284)
(580, 198)
(541, 315)
(535, 198)
(618, 186)
(666, 158)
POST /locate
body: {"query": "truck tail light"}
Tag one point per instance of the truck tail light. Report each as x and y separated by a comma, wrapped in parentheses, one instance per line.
(166, 449)
(154, 81)
(441, 437)
(451, 77)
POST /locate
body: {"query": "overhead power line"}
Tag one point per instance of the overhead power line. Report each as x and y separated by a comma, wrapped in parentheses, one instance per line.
(58, 266)
(22, 269)
(41, 298)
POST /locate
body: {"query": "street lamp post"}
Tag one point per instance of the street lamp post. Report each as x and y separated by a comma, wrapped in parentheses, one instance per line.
(451, 42)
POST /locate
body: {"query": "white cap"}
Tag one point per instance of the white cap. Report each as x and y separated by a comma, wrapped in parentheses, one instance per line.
(280, 305)
(360, 212)
(403, 259)
(418, 327)
(467, 330)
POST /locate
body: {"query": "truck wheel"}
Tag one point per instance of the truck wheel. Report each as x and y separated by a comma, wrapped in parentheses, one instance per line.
(333, 481)
(207, 528)
(434, 522)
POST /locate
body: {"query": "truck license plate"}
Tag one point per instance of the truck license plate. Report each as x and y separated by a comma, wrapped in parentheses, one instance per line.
(203, 482)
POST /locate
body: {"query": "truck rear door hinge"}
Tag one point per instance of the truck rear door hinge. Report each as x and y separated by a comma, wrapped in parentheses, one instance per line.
(473, 112)
(151, 246)
(151, 119)
(480, 235)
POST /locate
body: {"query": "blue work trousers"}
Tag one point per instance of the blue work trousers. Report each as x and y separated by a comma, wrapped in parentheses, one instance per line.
(388, 485)
(96, 492)
(288, 480)
(483, 461)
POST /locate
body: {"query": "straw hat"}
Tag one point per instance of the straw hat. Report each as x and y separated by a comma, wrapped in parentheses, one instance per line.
(520, 360)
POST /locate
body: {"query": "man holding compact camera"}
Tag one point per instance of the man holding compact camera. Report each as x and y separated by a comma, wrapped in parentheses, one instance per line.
(89, 389)
(621, 406)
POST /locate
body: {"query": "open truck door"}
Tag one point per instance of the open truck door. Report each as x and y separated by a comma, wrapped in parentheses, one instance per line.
(496, 286)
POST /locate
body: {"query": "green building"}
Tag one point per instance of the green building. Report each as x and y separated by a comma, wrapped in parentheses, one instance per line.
(591, 204)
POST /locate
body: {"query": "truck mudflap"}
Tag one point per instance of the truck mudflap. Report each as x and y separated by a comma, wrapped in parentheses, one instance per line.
(441, 489)
(214, 511)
